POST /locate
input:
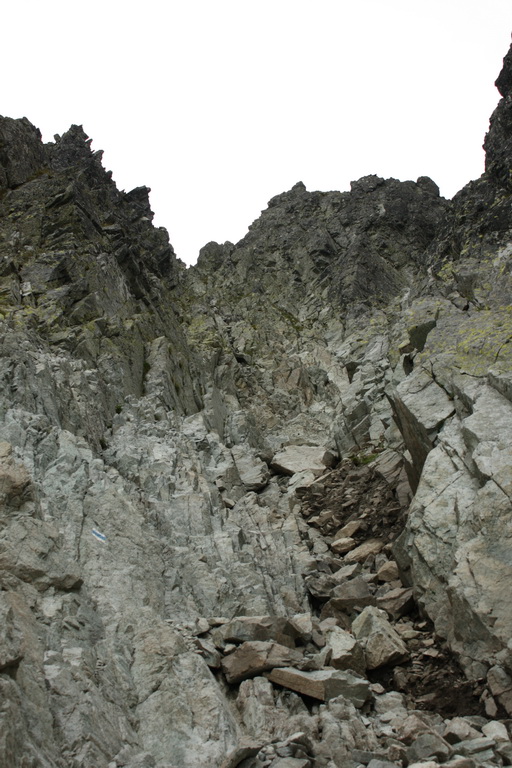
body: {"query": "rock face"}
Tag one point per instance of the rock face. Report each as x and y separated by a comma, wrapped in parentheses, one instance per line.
(256, 512)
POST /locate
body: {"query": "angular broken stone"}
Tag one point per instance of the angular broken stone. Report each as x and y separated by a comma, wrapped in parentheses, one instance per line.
(208, 651)
(253, 658)
(297, 739)
(460, 762)
(412, 727)
(388, 571)
(459, 729)
(327, 624)
(364, 550)
(348, 529)
(332, 609)
(202, 626)
(253, 472)
(323, 684)
(471, 747)
(347, 572)
(353, 593)
(377, 763)
(300, 458)
(14, 478)
(382, 644)
(343, 545)
(241, 752)
(317, 638)
(392, 701)
(429, 764)
(504, 749)
(320, 520)
(320, 586)
(429, 745)
(303, 623)
(316, 660)
(397, 602)
(346, 653)
(248, 628)
(500, 684)
(496, 730)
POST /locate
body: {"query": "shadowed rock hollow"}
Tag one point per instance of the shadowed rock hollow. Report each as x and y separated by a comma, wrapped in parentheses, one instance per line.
(257, 512)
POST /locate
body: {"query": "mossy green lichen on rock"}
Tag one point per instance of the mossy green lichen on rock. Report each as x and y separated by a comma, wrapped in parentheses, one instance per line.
(472, 342)
(149, 402)
(88, 289)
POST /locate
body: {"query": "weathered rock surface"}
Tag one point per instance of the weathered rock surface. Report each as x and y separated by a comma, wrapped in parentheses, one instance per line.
(346, 653)
(302, 458)
(382, 645)
(248, 628)
(254, 513)
(323, 684)
(253, 658)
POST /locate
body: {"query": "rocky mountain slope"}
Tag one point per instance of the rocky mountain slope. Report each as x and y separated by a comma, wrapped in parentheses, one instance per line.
(257, 512)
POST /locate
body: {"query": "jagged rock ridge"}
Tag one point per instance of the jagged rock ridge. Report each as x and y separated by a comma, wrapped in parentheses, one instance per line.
(255, 512)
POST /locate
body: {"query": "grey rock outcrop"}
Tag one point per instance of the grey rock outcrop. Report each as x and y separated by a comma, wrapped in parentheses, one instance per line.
(253, 512)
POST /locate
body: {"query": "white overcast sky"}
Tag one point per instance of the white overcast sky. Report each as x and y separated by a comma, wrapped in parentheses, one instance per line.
(218, 105)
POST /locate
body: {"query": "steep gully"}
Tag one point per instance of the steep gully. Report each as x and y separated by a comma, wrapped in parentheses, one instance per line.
(257, 512)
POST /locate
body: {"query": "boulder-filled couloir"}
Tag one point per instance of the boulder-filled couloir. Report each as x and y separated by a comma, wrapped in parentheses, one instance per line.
(257, 512)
